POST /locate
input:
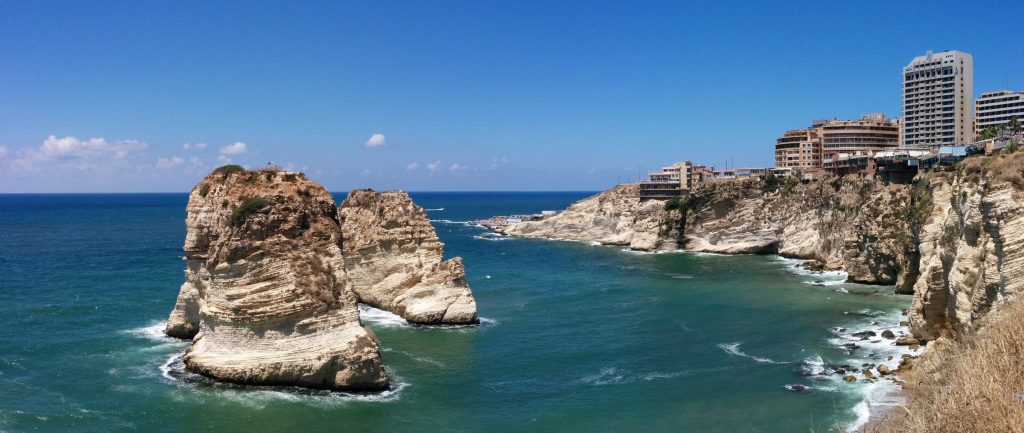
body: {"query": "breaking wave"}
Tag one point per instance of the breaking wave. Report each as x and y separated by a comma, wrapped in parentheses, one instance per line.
(734, 349)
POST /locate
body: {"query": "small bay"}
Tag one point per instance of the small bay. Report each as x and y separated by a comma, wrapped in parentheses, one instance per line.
(575, 337)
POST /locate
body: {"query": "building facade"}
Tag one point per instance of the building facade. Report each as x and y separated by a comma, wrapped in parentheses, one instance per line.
(851, 139)
(997, 108)
(674, 180)
(798, 149)
(938, 89)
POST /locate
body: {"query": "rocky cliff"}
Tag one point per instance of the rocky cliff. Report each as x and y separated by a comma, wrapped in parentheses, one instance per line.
(613, 217)
(971, 244)
(396, 261)
(850, 223)
(266, 295)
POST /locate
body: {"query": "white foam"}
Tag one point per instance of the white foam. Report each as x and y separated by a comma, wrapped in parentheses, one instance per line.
(154, 332)
(436, 209)
(388, 319)
(256, 396)
(380, 317)
(734, 349)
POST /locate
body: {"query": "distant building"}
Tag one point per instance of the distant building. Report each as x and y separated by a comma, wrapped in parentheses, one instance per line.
(798, 149)
(997, 108)
(937, 93)
(674, 180)
(846, 144)
(818, 148)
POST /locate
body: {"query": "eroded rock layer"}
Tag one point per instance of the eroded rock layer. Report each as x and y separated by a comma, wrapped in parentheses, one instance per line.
(855, 224)
(972, 245)
(396, 262)
(266, 294)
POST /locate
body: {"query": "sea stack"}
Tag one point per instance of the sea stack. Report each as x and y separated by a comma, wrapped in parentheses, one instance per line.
(266, 296)
(395, 260)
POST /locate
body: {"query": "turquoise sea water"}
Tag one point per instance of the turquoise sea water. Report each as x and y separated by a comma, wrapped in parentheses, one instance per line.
(576, 337)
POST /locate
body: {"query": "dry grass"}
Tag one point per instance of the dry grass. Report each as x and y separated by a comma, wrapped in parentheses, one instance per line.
(977, 385)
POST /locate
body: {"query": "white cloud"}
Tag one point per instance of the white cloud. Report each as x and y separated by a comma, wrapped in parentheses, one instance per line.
(457, 167)
(434, 166)
(80, 154)
(168, 163)
(410, 166)
(191, 164)
(376, 140)
(223, 159)
(3, 151)
(194, 146)
(71, 147)
(366, 172)
(233, 149)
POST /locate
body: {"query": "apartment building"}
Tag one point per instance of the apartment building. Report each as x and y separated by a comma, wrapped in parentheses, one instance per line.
(798, 149)
(674, 180)
(937, 92)
(997, 108)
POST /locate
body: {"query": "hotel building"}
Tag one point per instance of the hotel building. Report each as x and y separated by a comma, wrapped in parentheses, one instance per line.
(937, 92)
(997, 108)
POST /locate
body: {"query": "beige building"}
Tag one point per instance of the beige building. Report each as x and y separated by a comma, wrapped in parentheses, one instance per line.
(938, 89)
(846, 138)
(997, 108)
(673, 180)
(799, 148)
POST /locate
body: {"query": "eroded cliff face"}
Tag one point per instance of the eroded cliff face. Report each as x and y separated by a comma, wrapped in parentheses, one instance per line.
(972, 245)
(859, 225)
(396, 262)
(849, 223)
(266, 295)
(613, 217)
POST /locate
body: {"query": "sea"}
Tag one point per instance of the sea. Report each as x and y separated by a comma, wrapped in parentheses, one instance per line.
(575, 337)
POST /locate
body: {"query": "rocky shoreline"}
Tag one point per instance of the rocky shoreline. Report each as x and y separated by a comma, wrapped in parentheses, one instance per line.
(953, 239)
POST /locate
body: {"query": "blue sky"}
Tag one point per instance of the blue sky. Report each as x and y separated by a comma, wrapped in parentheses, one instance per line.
(475, 95)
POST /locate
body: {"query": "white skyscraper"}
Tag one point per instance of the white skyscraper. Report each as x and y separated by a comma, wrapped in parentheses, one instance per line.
(938, 99)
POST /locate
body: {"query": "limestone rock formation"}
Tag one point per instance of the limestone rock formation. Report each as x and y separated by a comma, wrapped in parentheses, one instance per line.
(613, 217)
(850, 223)
(266, 295)
(396, 262)
(972, 246)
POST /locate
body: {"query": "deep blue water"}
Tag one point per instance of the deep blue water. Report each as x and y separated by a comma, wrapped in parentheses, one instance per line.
(577, 337)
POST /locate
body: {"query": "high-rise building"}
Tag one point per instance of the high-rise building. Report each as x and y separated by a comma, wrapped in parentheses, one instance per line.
(997, 108)
(938, 89)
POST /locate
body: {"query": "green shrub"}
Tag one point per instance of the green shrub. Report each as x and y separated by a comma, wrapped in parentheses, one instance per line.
(672, 203)
(248, 207)
(228, 169)
(771, 182)
(204, 190)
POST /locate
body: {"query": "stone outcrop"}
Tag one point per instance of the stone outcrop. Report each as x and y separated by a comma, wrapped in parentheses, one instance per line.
(972, 245)
(613, 217)
(266, 294)
(855, 224)
(396, 262)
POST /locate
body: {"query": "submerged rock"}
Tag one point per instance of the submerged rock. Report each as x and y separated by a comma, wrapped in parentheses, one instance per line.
(396, 261)
(798, 388)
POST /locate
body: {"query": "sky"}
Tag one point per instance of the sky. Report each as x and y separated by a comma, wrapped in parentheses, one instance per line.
(451, 96)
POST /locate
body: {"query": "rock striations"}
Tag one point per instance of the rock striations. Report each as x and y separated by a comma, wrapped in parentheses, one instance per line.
(971, 243)
(268, 298)
(859, 225)
(396, 261)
